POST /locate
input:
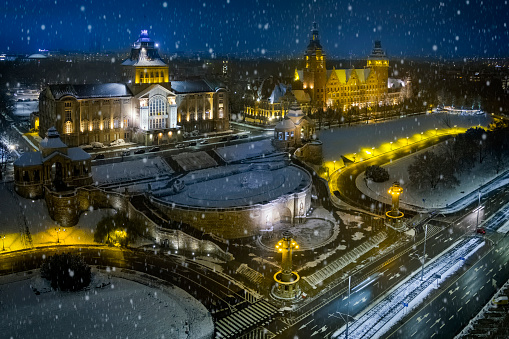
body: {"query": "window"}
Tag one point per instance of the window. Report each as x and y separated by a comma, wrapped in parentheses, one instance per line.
(116, 123)
(96, 126)
(68, 115)
(106, 124)
(126, 122)
(84, 125)
(68, 127)
(68, 104)
(157, 106)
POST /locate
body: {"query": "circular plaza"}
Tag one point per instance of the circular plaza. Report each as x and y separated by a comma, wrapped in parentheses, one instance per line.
(237, 200)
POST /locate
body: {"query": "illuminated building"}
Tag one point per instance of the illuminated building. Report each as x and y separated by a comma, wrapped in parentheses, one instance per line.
(368, 87)
(146, 108)
(54, 163)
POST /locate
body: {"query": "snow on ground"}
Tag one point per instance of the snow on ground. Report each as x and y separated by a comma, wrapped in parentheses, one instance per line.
(246, 150)
(350, 220)
(121, 309)
(16, 212)
(24, 108)
(357, 236)
(238, 185)
(388, 310)
(130, 170)
(413, 196)
(346, 140)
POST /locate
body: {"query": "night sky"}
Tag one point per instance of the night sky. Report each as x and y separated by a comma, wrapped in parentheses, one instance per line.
(447, 28)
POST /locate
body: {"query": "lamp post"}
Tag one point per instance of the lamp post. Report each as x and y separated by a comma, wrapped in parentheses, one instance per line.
(391, 145)
(334, 164)
(436, 130)
(421, 136)
(407, 141)
(354, 157)
(373, 150)
(3, 243)
(478, 207)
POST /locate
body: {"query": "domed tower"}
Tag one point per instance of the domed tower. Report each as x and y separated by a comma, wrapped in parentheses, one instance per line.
(315, 73)
(144, 65)
(379, 63)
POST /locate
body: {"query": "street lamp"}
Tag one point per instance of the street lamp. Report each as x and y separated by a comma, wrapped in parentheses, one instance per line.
(373, 149)
(58, 237)
(436, 130)
(421, 136)
(334, 164)
(3, 243)
(407, 141)
(354, 156)
(391, 145)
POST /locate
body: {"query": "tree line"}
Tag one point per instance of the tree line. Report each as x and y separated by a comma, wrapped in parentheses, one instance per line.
(443, 165)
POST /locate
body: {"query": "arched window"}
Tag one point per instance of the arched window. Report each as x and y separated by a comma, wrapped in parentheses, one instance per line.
(107, 124)
(157, 106)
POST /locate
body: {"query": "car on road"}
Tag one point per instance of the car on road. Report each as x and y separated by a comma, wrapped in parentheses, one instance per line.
(480, 230)
(154, 149)
(126, 153)
(203, 142)
(139, 151)
(235, 137)
(192, 143)
(181, 145)
(99, 156)
(244, 136)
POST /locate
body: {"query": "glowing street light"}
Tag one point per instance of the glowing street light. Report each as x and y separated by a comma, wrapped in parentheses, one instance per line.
(421, 136)
(407, 141)
(58, 237)
(3, 243)
(334, 164)
(436, 130)
(373, 153)
(391, 145)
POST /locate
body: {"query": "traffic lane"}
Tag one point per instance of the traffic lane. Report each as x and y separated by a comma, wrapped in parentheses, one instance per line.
(453, 308)
(367, 291)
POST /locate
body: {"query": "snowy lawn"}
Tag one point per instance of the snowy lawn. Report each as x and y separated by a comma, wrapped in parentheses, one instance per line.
(112, 308)
(16, 213)
(130, 170)
(349, 140)
(412, 195)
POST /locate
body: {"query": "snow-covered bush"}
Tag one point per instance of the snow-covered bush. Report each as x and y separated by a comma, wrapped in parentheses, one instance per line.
(377, 173)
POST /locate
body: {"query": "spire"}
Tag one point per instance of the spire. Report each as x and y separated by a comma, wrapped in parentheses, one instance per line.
(314, 42)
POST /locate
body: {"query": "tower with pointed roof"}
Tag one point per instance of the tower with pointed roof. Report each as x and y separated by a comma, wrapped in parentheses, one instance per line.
(379, 63)
(315, 74)
(144, 65)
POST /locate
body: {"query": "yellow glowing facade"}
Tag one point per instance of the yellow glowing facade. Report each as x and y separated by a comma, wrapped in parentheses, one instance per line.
(314, 74)
(151, 75)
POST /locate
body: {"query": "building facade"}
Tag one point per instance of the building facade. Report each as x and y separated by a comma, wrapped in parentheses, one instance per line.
(146, 108)
(368, 87)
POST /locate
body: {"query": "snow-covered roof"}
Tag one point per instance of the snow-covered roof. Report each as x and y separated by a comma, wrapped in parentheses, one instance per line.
(295, 111)
(285, 125)
(395, 83)
(29, 159)
(344, 75)
(37, 56)
(90, 90)
(239, 185)
(52, 140)
(143, 63)
(191, 86)
(77, 154)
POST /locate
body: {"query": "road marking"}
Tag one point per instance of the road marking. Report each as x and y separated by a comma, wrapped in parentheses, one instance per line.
(433, 335)
(442, 325)
(474, 294)
(413, 333)
(452, 316)
(441, 308)
(481, 287)
(460, 308)
(467, 301)
(306, 324)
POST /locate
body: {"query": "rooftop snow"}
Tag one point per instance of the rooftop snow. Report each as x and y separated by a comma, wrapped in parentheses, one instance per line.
(90, 91)
(246, 151)
(239, 185)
